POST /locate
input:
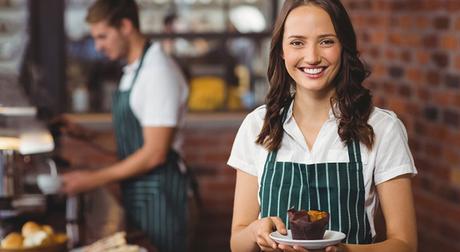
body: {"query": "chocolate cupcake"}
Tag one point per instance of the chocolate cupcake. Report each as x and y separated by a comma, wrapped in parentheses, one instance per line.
(308, 225)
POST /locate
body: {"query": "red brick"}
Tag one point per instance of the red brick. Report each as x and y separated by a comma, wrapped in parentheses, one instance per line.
(457, 24)
(389, 88)
(423, 22)
(453, 138)
(457, 62)
(398, 105)
(436, 131)
(378, 71)
(431, 5)
(455, 177)
(380, 101)
(456, 99)
(413, 74)
(423, 57)
(390, 54)
(406, 22)
(406, 56)
(379, 5)
(441, 22)
(424, 94)
(395, 39)
(449, 42)
(378, 37)
(435, 204)
(453, 5)
(430, 240)
(433, 78)
(441, 59)
(430, 41)
(441, 98)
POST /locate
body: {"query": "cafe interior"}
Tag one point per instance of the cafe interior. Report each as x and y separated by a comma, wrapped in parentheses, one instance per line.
(51, 73)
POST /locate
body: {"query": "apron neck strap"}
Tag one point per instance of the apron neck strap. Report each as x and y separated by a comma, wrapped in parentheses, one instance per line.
(141, 61)
(354, 151)
(273, 154)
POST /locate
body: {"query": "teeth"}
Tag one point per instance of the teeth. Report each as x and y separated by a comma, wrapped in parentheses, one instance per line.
(313, 70)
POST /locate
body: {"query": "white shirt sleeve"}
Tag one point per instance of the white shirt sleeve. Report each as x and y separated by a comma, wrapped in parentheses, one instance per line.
(159, 97)
(393, 156)
(245, 150)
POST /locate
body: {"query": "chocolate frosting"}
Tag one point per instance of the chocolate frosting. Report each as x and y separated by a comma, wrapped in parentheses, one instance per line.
(303, 229)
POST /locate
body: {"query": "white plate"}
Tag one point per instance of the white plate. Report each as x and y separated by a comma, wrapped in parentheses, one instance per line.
(330, 238)
(141, 249)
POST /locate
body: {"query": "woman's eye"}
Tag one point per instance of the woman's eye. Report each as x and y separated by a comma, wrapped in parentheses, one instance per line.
(296, 43)
(327, 42)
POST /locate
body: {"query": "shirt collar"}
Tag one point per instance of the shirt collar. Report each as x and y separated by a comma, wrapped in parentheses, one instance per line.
(133, 66)
(289, 116)
(291, 128)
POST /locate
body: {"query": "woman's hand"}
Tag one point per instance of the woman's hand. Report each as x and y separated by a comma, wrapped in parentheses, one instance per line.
(336, 248)
(287, 248)
(262, 230)
(79, 181)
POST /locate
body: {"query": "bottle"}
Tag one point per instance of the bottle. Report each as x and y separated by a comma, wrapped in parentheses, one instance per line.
(80, 99)
(72, 229)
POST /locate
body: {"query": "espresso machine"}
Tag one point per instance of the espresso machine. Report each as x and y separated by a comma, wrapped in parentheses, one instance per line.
(23, 141)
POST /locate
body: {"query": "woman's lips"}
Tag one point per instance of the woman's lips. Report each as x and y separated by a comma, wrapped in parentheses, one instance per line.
(313, 72)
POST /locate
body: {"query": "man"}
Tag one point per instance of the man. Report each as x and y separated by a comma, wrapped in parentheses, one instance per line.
(148, 112)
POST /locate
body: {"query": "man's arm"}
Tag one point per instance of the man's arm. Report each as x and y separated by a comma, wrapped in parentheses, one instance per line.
(154, 152)
(157, 143)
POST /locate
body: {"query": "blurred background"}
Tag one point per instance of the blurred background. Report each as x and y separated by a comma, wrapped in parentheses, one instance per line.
(48, 67)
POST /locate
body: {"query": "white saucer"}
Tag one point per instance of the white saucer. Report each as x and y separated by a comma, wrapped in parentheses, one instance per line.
(330, 238)
(141, 249)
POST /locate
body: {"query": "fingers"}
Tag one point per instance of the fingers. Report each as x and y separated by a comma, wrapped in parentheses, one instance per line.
(264, 241)
(332, 249)
(264, 228)
(288, 248)
(265, 248)
(301, 249)
(279, 225)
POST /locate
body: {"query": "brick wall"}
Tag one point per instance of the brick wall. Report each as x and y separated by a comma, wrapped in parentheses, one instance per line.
(207, 148)
(413, 49)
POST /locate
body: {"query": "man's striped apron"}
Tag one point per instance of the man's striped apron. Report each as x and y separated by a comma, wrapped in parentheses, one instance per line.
(334, 187)
(155, 202)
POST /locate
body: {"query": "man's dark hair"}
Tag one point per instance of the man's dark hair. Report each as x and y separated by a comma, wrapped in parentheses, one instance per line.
(113, 11)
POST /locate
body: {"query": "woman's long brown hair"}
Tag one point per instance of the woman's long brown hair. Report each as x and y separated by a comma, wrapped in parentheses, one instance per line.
(352, 99)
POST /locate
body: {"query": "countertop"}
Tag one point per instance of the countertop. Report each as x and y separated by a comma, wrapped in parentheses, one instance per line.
(219, 119)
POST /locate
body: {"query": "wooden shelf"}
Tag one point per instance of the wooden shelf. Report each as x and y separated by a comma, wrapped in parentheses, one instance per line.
(212, 35)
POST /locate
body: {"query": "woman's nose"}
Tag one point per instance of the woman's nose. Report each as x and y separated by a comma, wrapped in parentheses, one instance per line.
(311, 55)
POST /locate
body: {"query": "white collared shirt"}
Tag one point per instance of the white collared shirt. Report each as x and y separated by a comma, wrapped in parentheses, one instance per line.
(159, 96)
(390, 157)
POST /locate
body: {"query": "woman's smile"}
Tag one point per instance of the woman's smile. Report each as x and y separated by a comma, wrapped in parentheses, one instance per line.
(313, 72)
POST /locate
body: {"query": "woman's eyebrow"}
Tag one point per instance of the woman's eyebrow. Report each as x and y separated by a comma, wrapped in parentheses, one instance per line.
(320, 36)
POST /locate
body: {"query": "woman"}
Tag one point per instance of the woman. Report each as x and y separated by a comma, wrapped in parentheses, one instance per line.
(319, 143)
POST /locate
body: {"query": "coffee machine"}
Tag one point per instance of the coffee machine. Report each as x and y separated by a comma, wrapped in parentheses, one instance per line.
(22, 139)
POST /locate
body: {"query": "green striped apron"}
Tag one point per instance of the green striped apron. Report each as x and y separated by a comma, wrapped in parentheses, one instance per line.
(334, 187)
(155, 202)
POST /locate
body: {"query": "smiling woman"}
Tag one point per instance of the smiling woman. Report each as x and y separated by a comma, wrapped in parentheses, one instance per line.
(319, 143)
(311, 49)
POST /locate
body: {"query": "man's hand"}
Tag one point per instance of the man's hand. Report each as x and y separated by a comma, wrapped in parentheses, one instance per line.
(80, 181)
